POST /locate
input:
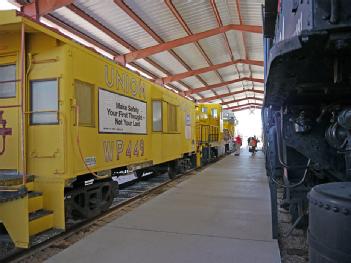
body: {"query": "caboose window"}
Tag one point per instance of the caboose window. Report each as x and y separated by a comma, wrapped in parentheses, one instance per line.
(85, 101)
(172, 118)
(156, 115)
(8, 81)
(44, 102)
(214, 113)
(204, 109)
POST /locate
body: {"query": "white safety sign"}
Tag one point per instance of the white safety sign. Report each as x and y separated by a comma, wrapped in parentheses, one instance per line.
(121, 114)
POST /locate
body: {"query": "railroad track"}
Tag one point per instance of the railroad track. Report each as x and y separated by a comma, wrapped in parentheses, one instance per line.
(293, 244)
(129, 193)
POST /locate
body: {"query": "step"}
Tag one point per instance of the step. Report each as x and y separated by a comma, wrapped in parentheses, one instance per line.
(8, 193)
(44, 236)
(13, 178)
(40, 221)
(35, 201)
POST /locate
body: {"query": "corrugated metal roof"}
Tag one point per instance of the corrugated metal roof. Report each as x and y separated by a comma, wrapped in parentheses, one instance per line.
(251, 11)
(210, 77)
(82, 25)
(111, 16)
(158, 17)
(168, 62)
(191, 55)
(228, 12)
(198, 15)
(254, 45)
(193, 82)
(210, 46)
(158, 23)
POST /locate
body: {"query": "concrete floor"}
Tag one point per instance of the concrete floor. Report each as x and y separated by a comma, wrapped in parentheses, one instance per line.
(220, 215)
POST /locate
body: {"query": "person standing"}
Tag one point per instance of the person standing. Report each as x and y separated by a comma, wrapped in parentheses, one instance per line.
(238, 143)
(253, 144)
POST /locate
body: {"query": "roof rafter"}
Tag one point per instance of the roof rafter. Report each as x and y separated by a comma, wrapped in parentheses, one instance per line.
(217, 85)
(237, 2)
(145, 52)
(238, 100)
(142, 24)
(186, 28)
(250, 107)
(244, 105)
(97, 44)
(117, 38)
(187, 74)
(231, 94)
(227, 45)
(42, 7)
(57, 4)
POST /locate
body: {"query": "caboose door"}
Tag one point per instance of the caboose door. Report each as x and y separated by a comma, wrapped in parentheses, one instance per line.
(45, 131)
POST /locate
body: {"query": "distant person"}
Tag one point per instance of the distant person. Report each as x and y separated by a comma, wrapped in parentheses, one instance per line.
(238, 143)
(249, 140)
(253, 141)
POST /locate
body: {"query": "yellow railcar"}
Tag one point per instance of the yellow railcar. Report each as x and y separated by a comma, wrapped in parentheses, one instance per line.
(209, 131)
(70, 120)
(228, 130)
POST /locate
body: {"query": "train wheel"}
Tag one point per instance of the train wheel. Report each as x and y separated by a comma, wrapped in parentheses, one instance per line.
(107, 195)
(139, 174)
(90, 201)
(298, 215)
(171, 170)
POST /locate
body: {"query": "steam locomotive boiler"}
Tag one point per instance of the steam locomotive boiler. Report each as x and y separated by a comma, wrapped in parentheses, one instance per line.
(307, 106)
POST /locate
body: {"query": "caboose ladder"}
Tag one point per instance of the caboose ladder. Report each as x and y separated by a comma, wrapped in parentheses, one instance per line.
(22, 211)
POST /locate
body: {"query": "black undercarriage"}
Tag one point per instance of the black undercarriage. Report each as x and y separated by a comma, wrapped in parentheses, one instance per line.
(89, 196)
(307, 106)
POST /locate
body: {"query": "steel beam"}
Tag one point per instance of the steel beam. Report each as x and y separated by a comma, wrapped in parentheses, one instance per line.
(227, 45)
(141, 23)
(230, 94)
(146, 52)
(118, 39)
(186, 28)
(247, 108)
(39, 8)
(101, 46)
(238, 100)
(244, 105)
(214, 86)
(187, 74)
(237, 2)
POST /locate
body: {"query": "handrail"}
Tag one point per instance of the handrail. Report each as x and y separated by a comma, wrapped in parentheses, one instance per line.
(10, 106)
(23, 75)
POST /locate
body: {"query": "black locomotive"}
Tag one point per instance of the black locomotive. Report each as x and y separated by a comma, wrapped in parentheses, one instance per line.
(307, 106)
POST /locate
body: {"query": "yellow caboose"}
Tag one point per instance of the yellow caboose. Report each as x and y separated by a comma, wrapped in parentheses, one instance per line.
(209, 131)
(70, 120)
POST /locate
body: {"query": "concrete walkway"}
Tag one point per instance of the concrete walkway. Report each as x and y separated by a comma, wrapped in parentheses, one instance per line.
(222, 214)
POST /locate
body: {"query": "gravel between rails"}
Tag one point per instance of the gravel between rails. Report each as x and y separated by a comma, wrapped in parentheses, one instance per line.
(294, 248)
